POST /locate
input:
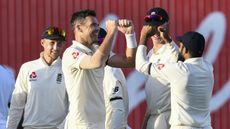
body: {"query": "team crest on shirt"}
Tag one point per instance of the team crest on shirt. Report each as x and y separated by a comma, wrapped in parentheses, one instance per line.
(160, 66)
(75, 55)
(33, 76)
(59, 78)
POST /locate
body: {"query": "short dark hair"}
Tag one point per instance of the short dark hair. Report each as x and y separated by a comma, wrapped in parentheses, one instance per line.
(80, 16)
(194, 42)
(194, 54)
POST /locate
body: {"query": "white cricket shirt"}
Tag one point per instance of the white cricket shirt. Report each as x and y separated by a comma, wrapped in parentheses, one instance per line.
(191, 84)
(156, 88)
(85, 90)
(40, 91)
(116, 98)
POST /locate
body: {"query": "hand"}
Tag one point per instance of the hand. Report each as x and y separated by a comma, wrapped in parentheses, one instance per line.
(111, 26)
(146, 32)
(164, 33)
(125, 26)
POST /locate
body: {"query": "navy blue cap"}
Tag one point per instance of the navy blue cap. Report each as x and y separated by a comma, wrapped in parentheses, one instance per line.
(54, 33)
(156, 16)
(101, 35)
(193, 41)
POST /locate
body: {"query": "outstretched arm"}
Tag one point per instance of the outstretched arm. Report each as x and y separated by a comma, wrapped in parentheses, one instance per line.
(128, 60)
(102, 53)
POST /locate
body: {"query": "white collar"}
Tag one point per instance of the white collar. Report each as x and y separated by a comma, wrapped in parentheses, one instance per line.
(55, 62)
(194, 60)
(81, 46)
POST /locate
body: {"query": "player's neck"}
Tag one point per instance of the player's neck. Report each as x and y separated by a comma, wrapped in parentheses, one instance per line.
(49, 60)
(83, 42)
(157, 46)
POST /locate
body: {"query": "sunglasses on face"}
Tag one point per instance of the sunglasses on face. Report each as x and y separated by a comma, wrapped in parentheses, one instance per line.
(51, 31)
(153, 17)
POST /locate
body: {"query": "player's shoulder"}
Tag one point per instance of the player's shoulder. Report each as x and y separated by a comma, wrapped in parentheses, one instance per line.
(72, 53)
(32, 62)
(178, 66)
(72, 48)
(182, 67)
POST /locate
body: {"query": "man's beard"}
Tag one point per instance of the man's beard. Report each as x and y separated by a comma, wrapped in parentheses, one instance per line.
(180, 57)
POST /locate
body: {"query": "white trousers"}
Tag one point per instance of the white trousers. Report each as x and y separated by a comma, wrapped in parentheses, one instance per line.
(160, 121)
(188, 127)
(38, 128)
(73, 125)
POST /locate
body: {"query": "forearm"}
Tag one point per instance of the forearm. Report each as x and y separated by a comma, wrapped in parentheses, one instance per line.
(117, 119)
(143, 40)
(15, 112)
(14, 118)
(131, 49)
(106, 45)
(97, 60)
(127, 60)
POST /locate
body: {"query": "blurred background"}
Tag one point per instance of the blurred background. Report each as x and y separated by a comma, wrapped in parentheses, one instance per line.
(22, 22)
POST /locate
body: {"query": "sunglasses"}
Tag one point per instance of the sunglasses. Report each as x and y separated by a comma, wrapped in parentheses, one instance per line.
(51, 31)
(154, 17)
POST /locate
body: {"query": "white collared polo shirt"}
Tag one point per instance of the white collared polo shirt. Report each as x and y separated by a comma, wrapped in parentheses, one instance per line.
(191, 84)
(40, 92)
(84, 88)
(156, 88)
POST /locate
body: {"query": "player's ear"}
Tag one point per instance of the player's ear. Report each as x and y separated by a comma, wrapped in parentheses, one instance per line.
(78, 26)
(186, 50)
(42, 42)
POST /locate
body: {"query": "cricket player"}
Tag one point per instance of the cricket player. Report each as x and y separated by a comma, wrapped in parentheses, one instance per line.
(115, 95)
(116, 98)
(83, 67)
(39, 93)
(191, 80)
(156, 89)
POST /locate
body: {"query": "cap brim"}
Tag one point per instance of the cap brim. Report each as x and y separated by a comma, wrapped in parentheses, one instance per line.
(153, 23)
(58, 38)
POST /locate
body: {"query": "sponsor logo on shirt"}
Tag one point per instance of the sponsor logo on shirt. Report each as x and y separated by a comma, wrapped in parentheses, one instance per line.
(59, 78)
(33, 76)
(115, 90)
(75, 55)
(160, 66)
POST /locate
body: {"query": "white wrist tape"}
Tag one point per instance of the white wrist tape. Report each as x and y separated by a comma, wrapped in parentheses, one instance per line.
(131, 41)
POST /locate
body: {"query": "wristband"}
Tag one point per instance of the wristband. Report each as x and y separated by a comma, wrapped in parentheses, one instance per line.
(131, 41)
